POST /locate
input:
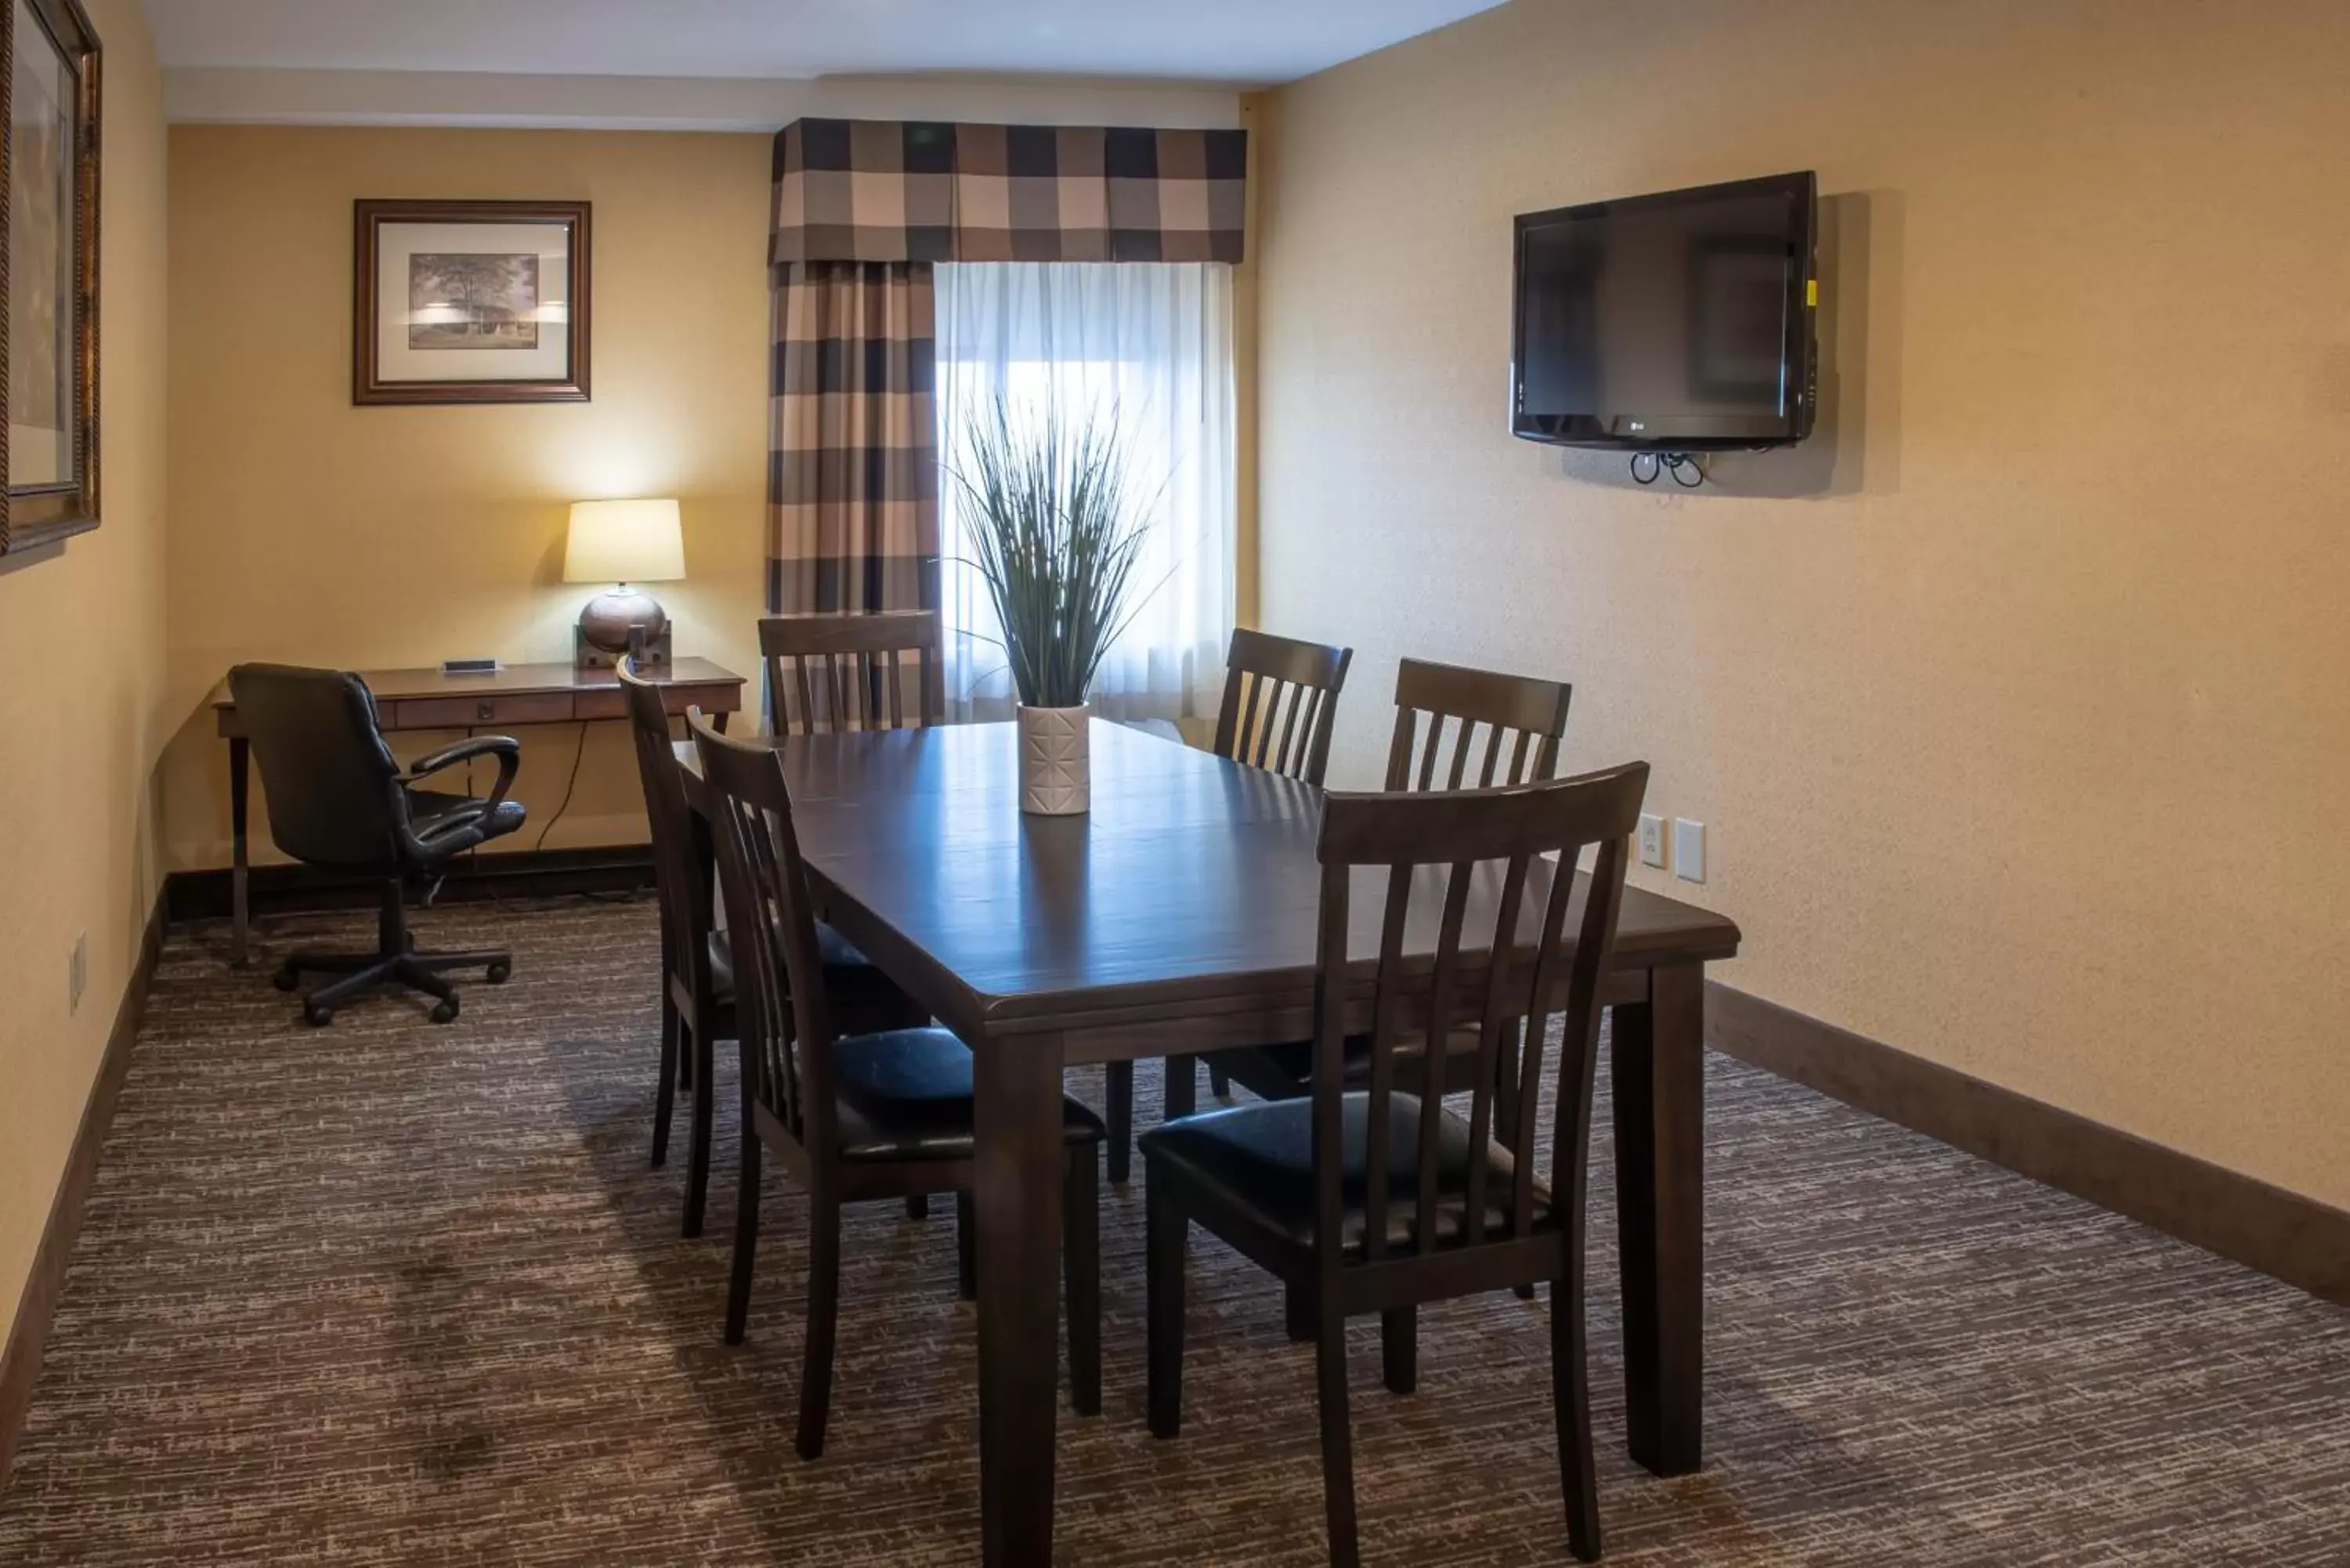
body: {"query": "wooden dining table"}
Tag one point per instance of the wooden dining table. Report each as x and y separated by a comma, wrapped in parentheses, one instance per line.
(1179, 915)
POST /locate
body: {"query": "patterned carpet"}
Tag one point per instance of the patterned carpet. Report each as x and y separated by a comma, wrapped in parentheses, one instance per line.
(398, 1293)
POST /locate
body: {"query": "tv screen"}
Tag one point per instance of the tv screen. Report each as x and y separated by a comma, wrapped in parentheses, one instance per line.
(1679, 322)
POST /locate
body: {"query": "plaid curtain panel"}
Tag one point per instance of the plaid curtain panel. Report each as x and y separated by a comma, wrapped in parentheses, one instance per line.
(855, 190)
(862, 210)
(853, 462)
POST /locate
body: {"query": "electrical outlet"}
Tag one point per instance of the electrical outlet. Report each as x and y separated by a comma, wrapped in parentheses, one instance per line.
(1689, 849)
(1652, 840)
(77, 972)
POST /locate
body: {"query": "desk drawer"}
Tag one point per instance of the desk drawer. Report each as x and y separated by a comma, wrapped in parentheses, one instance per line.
(611, 702)
(474, 712)
(600, 704)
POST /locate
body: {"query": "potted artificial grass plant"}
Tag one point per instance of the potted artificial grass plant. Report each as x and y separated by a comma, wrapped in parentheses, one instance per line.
(1055, 532)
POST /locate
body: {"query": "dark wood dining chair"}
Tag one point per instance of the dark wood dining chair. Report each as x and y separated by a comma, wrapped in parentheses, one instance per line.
(1280, 698)
(853, 1117)
(832, 672)
(1378, 1199)
(1502, 730)
(697, 968)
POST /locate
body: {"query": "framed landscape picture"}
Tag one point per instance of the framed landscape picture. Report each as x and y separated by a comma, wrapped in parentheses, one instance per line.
(470, 302)
(49, 274)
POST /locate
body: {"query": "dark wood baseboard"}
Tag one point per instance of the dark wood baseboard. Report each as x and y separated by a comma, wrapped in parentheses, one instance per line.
(514, 874)
(20, 1361)
(2284, 1234)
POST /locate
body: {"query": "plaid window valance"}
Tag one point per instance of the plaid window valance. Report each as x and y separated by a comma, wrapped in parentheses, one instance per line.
(901, 190)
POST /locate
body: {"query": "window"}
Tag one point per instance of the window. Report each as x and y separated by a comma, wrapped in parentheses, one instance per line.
(1152, 341)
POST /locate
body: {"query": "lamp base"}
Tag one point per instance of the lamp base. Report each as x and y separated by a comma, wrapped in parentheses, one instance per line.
(616, 622)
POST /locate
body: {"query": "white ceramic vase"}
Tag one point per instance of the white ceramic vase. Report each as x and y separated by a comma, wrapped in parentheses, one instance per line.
(1055, 761)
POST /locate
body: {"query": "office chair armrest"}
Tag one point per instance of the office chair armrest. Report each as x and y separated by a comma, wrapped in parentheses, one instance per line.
(506, 748)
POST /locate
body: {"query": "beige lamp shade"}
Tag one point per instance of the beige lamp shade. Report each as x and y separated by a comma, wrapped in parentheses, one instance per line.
(624, 542)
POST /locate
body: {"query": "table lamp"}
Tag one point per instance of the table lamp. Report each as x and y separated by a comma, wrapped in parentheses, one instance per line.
(623, 542)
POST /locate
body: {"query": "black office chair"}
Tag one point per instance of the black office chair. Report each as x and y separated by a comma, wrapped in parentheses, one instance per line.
(337, 798)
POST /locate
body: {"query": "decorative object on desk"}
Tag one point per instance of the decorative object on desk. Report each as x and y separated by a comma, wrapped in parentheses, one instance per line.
(1054, 528)
(48, 272)
(470, 302)
(623, 542)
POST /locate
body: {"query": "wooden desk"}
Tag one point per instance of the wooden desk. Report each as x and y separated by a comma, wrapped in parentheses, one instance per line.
(427, 700)
(1181, 915)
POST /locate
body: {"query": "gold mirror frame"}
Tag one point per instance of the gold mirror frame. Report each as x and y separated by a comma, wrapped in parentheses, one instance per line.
(32, 516)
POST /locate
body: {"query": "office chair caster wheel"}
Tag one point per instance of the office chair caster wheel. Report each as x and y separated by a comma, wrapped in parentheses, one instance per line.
(316, 1016)
(286, 978)
(499, 973)
(446, 1012)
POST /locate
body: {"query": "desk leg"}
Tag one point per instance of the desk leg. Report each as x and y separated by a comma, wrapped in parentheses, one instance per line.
(1659, 1081)
(1018, 1177)
(239, 784)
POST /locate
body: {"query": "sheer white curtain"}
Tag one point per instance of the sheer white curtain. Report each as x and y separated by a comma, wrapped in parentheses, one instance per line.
(1153, 341)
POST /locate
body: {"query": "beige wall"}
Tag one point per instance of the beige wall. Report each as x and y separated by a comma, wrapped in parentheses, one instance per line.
(80, 706)
(311, 530)
(2015, 704)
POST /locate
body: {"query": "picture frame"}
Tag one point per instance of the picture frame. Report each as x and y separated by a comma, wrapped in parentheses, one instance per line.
(49, 105)
(470, 302)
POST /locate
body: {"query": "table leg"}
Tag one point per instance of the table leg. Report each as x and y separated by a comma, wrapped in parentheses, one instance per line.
(239, 786)
(1018, 1177)
(1658, 1083)
(1180, 1096)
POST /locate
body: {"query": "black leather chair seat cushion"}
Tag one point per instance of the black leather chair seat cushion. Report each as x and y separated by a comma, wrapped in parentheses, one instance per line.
(851, 979)
(1260, 1159)
(906, 1093)
(446, 823)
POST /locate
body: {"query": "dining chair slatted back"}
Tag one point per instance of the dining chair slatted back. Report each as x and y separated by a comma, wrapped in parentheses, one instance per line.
(678, 874)
(1451, 843)
(782, 1014)
(1280, 698)
(828, 673)
(1519, 718)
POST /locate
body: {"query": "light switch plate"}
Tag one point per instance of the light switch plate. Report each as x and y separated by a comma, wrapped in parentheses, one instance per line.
(1652, 840)
(1689, 849)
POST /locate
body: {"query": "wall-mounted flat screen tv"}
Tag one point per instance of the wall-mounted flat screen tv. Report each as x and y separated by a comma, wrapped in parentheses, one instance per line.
(1678, 322)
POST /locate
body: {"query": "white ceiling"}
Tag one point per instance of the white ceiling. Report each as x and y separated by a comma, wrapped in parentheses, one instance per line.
(1238, 41)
